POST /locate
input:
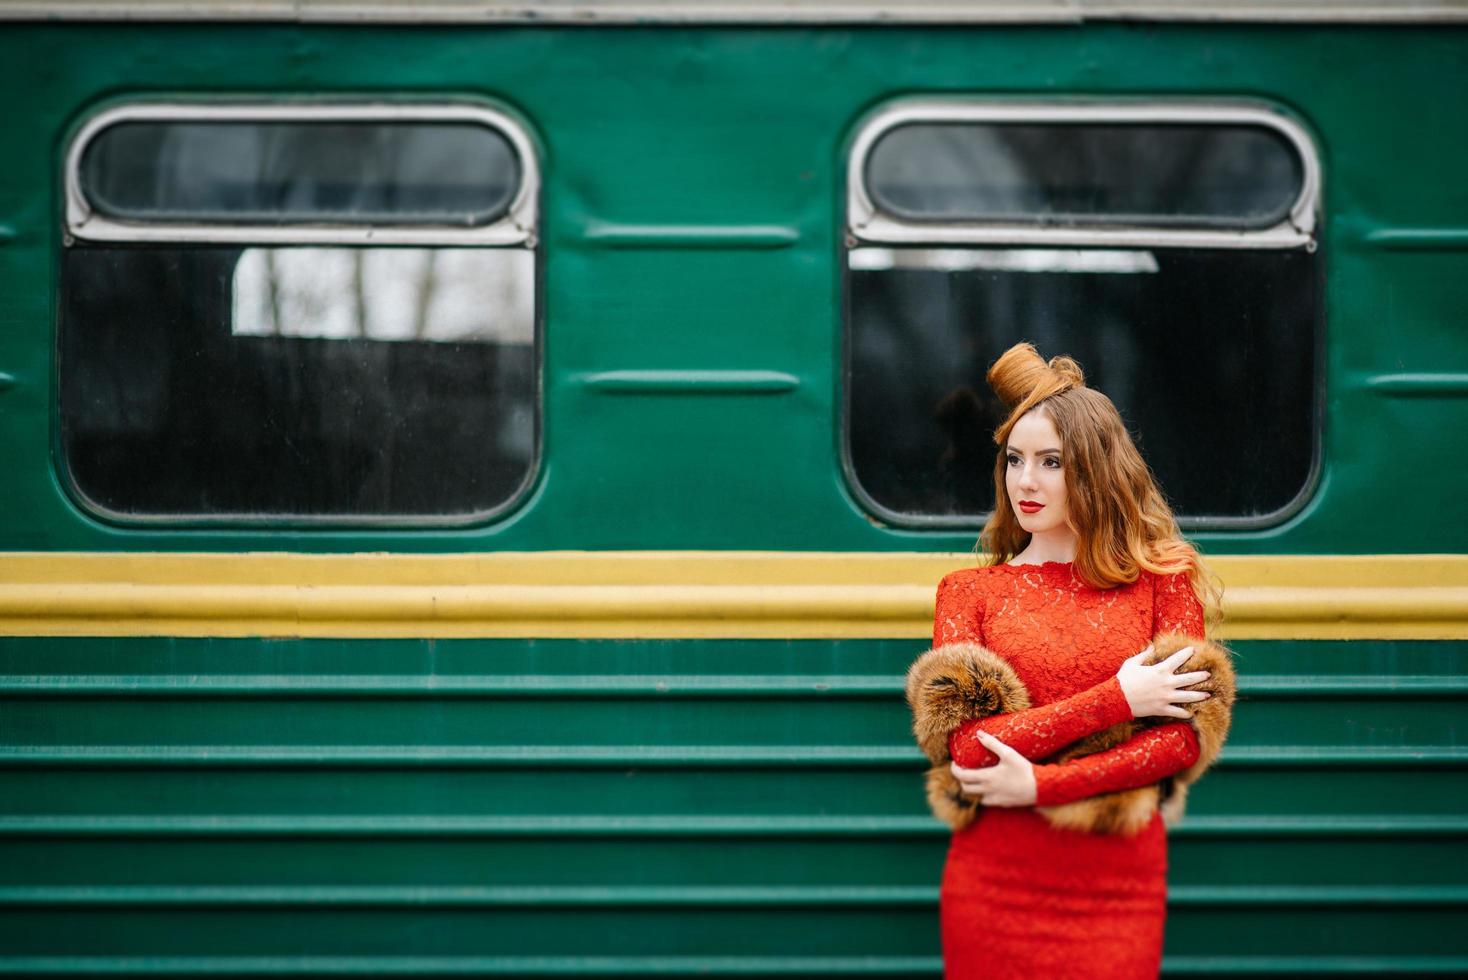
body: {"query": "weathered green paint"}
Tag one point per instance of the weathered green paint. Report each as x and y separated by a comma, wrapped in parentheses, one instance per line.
(721, 808)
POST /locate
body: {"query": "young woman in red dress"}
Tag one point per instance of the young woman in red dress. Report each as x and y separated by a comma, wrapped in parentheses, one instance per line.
(1087, 566)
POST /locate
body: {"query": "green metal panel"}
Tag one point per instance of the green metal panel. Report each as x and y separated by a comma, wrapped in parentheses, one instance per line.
(655, 807)
(692, 214)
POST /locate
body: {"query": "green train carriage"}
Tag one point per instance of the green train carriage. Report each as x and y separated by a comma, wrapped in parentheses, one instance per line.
(478, 474)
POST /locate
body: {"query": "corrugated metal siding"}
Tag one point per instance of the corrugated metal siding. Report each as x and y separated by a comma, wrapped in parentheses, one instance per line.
(655, 807)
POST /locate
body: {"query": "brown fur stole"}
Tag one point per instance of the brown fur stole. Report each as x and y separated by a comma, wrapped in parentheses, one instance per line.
(951, 684)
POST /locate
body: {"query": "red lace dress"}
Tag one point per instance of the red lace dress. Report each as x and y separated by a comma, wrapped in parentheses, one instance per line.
(1020, 898)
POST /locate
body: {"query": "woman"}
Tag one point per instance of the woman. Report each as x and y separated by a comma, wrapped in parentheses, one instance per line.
(1087, 566)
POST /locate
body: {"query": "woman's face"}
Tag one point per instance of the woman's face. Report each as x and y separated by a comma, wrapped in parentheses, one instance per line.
(1034, 473)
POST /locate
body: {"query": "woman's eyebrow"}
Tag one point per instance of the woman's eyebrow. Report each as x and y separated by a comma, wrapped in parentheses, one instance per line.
(1040, 452)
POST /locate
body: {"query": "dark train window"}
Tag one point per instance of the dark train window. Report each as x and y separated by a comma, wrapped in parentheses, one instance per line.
(358, 344)
(1201, 176)
(1190, 297)
(261, 172)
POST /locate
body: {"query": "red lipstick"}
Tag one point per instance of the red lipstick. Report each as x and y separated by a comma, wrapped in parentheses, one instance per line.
(1030, 507)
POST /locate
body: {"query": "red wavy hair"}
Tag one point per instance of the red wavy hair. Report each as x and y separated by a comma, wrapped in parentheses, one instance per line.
(1122, 522)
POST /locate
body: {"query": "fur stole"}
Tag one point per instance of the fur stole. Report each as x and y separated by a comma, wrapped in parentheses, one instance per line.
(952, 684)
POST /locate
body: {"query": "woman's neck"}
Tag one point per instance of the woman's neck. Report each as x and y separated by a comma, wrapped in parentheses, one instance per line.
(1057, 545)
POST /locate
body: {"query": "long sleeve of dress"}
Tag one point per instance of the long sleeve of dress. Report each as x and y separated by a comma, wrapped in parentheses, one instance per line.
(1038, 733)
(1140, 761)
(1035, 733)
(1150, 755)
(1175, 609)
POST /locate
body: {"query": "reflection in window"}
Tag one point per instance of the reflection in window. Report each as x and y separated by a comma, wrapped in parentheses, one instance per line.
(430, 294)
(1208, 354)
(1004, 259)
(167, 409)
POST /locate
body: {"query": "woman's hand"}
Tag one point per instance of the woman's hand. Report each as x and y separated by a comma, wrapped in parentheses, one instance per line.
(1156, 690)
(1009, 782)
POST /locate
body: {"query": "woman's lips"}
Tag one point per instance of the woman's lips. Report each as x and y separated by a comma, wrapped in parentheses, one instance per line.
(1031, 508)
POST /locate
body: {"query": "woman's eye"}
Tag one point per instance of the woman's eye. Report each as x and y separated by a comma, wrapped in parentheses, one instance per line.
(1012, 460)
(1052, 461)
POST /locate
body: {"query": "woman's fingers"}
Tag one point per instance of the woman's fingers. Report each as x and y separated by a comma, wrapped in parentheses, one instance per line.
(1192, 677)
(1001, 749)
(977, 782)
(1191, 696)
(1177, 659)
(974, 787)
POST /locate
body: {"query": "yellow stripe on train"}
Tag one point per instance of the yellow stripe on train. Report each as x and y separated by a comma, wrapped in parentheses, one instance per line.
(693, 594)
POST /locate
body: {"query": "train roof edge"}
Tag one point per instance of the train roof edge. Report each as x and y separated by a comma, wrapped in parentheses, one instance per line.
(633, 12)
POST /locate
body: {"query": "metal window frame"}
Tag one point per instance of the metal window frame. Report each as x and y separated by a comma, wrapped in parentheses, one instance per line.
(516, 227)
(867, 223)
(946, 109)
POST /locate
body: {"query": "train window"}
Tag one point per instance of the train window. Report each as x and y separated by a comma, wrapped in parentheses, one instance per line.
(256, 326)
(264, 172)
(1224, 176)
(1184, 275)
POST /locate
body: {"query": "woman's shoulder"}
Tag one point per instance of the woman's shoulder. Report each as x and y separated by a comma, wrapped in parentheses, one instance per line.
(969, 581)
(975, 581)
(1176, 607)
(1166, 582)
(971, 575)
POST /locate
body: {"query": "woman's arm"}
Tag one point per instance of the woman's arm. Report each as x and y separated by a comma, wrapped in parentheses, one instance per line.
(1140, 761)
(1175, 608)
(958, 611)
(1036, 733)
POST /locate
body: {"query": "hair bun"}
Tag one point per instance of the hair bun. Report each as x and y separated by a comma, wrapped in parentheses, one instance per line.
(1068, 370)
(1021, 372)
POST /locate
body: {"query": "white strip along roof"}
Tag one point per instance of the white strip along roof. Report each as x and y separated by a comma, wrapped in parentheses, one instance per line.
(599, 12)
